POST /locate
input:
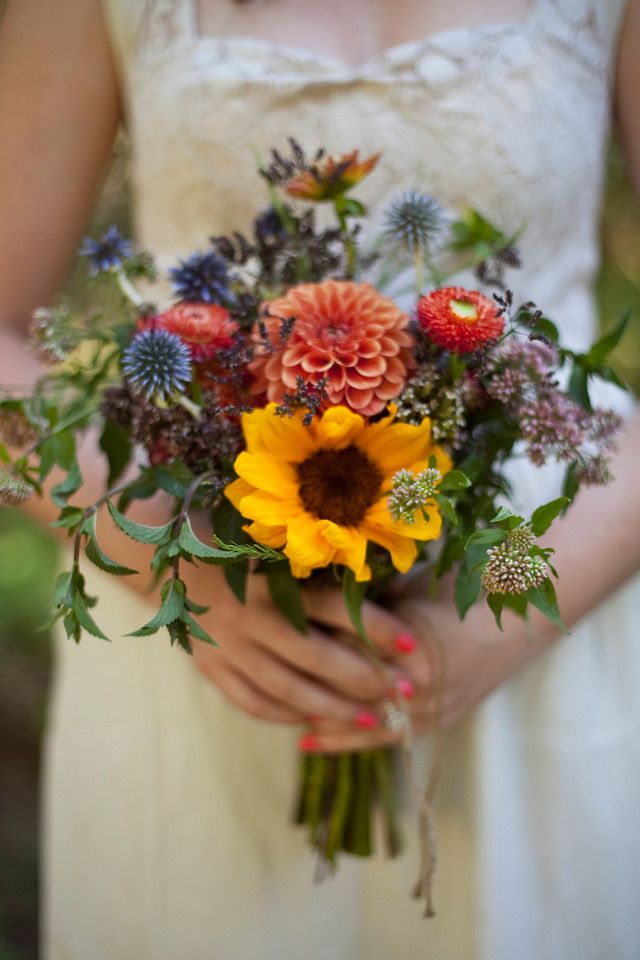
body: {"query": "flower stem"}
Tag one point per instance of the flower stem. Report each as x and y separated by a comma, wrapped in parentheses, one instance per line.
(128, 289)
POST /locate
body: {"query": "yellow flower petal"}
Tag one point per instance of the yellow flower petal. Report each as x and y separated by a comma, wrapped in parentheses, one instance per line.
(284, 438)
(338, 428)
(379, 516)
(403, 550)
(236, 490)
(267, 509)
(270, 536)
(350, 544)
(305, 544)
(266, 473)
(397, 444)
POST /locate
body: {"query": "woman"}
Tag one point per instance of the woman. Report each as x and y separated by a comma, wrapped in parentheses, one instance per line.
(166, 806)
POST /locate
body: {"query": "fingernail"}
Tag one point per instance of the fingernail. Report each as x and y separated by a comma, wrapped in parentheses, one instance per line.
(405, 688)
(405, 642)
(367, 720)
(307, 743)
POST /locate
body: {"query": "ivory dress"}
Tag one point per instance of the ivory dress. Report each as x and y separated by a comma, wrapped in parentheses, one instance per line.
(166, 809)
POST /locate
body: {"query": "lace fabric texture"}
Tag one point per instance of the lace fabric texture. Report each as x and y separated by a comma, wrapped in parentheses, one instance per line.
(166, 809)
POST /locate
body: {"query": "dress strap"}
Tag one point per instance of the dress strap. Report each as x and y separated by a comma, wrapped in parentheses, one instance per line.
(165, 23)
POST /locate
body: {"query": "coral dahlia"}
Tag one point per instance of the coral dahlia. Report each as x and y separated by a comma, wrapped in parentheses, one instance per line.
(459, 320)
(344, 334)
(204, 327)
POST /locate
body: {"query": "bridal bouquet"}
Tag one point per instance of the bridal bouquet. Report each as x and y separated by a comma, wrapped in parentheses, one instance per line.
(325, 432)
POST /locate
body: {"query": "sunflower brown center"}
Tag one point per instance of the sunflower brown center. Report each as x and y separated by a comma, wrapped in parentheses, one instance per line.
(339, 485)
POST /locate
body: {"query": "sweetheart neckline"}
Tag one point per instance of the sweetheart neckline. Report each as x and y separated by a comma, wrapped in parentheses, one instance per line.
(335, 64)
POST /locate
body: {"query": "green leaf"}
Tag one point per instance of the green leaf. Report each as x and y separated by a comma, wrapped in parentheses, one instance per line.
(544, 598)
(236, 576)
(447, 509)
(467, 590)
(173, 608)
(72, 626)
(354, 593)
(194, 607)
(454, 480)
(191, 544)
(63, 590)
(97, 556)
(197, 631)
(610, 340)
(69, 518)
(62, 491)
(115, 441)
(571, 483)
(60, 450)
(579, 386)
(496, 605)
(507, 519)
(543, 517)
(486, 537)
(286, 594)
(139, 531)
(176, 478)
(84, 618)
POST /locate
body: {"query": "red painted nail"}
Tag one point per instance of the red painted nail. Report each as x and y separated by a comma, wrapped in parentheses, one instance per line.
(307, 743)
(367, 720)
(405, 642)
(406, 688)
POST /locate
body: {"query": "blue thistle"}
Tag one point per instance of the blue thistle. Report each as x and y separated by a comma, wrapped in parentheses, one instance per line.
(108, 252)
(268, 228)
(202, 278)
(157, 363)
(415, 220)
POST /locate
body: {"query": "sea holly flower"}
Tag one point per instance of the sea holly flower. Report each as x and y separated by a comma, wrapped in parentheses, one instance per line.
(107, 253)
(459, 320)
(415, 220)
(202, 278)
(205, 328)
(320, 492)
(345, 334)
(330, 177)
(157, 363)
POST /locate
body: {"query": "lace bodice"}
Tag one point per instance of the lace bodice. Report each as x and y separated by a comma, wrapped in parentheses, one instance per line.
(511, 118)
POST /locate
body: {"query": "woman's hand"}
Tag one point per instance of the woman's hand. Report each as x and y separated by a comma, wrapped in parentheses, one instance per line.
(271, 671)
(454, 666)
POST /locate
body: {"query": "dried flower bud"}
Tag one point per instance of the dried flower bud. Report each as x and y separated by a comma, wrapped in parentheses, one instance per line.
(15, 429)
(509, 570)
(410, 493)
(13, 489)
(50, 334)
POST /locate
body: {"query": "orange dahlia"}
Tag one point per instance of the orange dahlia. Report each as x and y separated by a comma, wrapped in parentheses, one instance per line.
(330, 176)
(345, 334)
(459, 320)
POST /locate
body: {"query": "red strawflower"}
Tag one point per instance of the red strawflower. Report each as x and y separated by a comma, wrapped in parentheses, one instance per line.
(344, 333)
(459, 320)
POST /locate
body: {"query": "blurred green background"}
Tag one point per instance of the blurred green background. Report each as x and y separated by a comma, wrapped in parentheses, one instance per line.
(28, 559)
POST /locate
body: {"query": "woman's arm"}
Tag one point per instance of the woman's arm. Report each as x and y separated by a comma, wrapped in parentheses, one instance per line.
(597, 544)
(59, 113)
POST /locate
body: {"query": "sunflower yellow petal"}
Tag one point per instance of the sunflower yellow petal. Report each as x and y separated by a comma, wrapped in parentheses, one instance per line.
(267, 473)
(403, 550)
(268, 510)
(305, 544)
(284, 438)
(236, 490)
(338, 428)
(378, 516)
(269, 536)
(350, 544)
(397, 445)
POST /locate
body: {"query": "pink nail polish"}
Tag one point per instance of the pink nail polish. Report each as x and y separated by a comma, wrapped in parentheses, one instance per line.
(405, 688)
(367, 720)
(405, 642)
(307, 743)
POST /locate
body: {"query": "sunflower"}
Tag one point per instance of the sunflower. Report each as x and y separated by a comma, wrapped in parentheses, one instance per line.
(320, 491)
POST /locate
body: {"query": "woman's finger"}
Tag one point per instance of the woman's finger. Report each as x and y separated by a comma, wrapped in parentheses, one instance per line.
(243, 694)
(319, 741)
(392, 636)
(288, 686)
(339, 665)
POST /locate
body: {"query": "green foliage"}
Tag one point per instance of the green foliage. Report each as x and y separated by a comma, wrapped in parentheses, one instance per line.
(354, 593)
(286, 594)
